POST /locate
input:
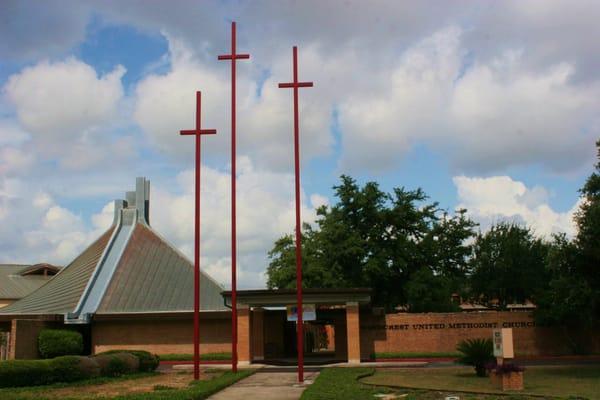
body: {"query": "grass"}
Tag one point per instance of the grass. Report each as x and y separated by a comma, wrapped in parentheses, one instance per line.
(341, 383)
(552, 381)
(195, 390)
(190, 357)
(9, 393)
(386, 355)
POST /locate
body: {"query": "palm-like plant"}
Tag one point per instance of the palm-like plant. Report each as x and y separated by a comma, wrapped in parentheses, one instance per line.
(476, 352)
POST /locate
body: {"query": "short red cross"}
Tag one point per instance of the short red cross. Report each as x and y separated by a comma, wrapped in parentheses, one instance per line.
(197, 132)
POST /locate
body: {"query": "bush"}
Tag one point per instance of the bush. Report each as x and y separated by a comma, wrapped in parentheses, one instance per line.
(59, 342)
(476, 352)
(505, 368)
(74, 368)
(24, 373)
(44, 372)
(117, 364)
(148, 361)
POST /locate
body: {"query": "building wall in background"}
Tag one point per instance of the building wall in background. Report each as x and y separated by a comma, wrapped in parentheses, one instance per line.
(162, 336)
(441, 332)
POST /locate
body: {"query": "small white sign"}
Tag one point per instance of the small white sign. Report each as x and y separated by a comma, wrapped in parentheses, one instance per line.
(503, 343)
(308, 312)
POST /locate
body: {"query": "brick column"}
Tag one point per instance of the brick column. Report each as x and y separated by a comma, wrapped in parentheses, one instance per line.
(243, 315)
(24, 338)
(258, 339)
(353, 332)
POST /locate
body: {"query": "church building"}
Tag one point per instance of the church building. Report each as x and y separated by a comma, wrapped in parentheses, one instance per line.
(131, 289)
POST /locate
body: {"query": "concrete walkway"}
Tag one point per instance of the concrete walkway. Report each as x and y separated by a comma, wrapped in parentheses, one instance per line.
(267, 386)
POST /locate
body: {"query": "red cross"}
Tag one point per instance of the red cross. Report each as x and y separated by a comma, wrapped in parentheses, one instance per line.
(299, 326)
(197, 133)
(233, 57)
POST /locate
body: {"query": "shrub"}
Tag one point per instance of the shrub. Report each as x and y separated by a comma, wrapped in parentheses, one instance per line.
(476, 352)
(117, 364)
(24, 373)
(74, 368)
(505, 368)
(59, 342)
(148, 361)
(44, 372)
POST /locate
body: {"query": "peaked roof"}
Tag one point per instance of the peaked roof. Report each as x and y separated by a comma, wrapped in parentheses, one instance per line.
(129, 269)
(16, 280)
(153, 276)
(60, 294)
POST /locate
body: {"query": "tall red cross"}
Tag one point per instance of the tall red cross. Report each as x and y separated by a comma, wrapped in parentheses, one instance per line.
(299, 326)
(233, 57)
(197, 132)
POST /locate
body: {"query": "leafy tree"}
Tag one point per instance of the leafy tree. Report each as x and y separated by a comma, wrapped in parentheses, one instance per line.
(573, 295)
(375, 239)
(587, 242)
(428, 292)
(508, 266)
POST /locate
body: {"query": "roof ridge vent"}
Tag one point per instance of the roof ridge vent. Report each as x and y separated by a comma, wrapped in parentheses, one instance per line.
(138, 199)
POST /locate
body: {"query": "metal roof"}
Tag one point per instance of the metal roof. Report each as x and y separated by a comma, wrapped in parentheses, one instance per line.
(153, 276)
(60, 294)
(279, 297)
(14, 285)
(130, 269)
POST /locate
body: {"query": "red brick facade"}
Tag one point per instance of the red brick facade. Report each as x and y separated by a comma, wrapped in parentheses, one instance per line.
(162, 336)
(357, 334)
(441, 332)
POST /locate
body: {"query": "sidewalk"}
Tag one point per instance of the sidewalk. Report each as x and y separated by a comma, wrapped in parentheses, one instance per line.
(267, 386)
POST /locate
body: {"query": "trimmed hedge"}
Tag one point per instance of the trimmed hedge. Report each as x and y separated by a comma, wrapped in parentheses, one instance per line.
(45, 372)
(59, 342)
(117, 364)
(148, 361)
(15, 373)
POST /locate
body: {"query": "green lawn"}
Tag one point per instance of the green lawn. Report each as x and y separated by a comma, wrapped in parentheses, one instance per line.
(82, 389)
(553, 381)
(385, 355)
(190, 357)
(341, 383)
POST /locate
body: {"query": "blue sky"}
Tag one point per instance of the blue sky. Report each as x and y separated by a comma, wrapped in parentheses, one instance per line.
(484, 105)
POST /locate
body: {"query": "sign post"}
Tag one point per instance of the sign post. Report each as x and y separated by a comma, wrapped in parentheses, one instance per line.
(308, 313)
(233, 57)
(197, 132)
(503, 344)
(300, 328)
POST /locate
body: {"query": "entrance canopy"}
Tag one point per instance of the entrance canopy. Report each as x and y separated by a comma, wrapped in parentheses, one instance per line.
(265, 332)
(284, 297)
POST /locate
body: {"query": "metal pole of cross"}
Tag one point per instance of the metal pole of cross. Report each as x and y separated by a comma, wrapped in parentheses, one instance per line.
(233, 57)
(197, 133)
(299, 326)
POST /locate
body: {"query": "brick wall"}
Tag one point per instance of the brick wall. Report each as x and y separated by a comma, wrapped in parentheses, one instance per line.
(162, 337)
(441, 332)
(24, 338)
(352, 332)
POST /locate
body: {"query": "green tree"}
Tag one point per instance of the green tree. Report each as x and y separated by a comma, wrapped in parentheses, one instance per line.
(572, 298)
(587, 242)
(508, 266)
(428, 292)
(370, 238)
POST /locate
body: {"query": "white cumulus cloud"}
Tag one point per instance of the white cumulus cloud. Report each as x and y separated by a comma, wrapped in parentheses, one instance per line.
(500, 198)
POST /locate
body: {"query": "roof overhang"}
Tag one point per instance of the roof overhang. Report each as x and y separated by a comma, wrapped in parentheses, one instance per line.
(285, 297)
(37, 317)
(162, 315)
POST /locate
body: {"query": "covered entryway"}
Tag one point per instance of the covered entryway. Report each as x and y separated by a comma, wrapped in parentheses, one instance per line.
(266, 335)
